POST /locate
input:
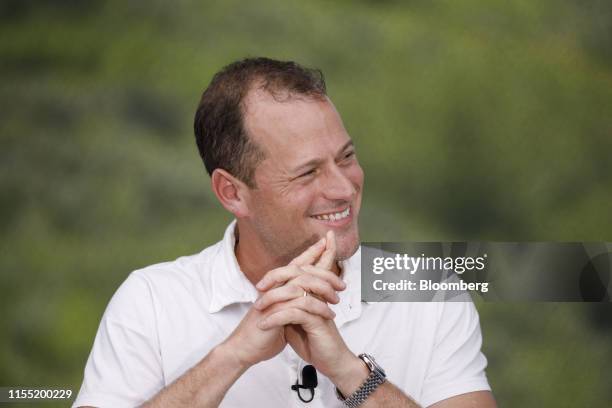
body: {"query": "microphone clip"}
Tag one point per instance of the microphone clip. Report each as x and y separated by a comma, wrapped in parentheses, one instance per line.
(309, 382)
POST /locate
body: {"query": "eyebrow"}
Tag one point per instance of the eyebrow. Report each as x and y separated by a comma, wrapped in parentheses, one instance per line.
(317, 162)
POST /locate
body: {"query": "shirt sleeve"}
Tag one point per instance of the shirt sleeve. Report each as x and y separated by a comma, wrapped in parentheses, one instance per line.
(457, 365)
(124, 367)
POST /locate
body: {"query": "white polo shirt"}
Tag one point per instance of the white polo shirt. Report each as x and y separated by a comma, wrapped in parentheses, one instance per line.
(165, 318)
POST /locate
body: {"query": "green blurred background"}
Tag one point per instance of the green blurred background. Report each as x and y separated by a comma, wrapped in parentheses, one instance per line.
(474, 120)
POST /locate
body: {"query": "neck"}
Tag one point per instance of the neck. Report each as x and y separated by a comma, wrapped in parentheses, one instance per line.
(252, 255)
(254, 258)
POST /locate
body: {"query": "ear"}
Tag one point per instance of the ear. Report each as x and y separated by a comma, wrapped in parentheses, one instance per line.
(230, 192)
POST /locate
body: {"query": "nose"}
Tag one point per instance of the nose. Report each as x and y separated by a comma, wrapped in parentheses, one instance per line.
(337, 186)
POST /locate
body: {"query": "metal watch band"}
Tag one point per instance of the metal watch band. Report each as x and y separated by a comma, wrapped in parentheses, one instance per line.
(376, 377)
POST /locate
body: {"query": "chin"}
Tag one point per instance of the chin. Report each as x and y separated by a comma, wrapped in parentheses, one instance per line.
(347, 246)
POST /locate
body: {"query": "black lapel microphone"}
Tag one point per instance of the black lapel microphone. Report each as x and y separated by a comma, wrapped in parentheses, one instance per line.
(309, 382)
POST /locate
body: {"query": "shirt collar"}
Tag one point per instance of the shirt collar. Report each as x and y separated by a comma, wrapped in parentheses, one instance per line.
(228, 284)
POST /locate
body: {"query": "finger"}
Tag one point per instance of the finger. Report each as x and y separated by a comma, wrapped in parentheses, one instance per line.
(317, 287)
(310, 255)
(333, 279)
(296, 289)
(329, 255)
(309, 304)
(289, 316)
(281, 276)
(278, 276)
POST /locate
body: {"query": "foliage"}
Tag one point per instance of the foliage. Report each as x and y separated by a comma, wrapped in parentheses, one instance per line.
(482, 120)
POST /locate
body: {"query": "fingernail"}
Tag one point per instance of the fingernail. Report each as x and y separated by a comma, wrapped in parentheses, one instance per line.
(260, 284)
(262, 324)
(257, 304)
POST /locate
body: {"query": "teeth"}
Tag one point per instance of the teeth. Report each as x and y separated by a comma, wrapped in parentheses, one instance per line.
(335, 216)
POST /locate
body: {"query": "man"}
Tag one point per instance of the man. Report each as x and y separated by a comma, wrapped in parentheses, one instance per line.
(237, 324)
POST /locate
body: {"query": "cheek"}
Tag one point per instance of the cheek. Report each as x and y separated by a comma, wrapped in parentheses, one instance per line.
(290, 206)
(301, 202)
(356, 175)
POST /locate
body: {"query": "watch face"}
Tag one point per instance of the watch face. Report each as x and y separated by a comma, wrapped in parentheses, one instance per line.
(372, 364)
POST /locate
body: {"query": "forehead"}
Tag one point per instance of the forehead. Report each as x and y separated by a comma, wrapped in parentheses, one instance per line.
(292, 128)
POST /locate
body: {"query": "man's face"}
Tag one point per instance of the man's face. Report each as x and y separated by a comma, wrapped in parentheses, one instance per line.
(310, 181)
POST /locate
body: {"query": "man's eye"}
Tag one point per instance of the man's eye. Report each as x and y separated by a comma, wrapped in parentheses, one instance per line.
(308, 173)
(349, 154)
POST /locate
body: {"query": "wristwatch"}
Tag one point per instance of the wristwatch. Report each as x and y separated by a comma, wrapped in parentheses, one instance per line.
(377, 376)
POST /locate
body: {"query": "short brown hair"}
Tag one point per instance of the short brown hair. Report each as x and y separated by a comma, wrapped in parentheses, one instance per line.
(219, 121)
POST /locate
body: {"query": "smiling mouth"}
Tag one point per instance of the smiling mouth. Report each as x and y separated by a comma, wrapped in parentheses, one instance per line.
(337, 216)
